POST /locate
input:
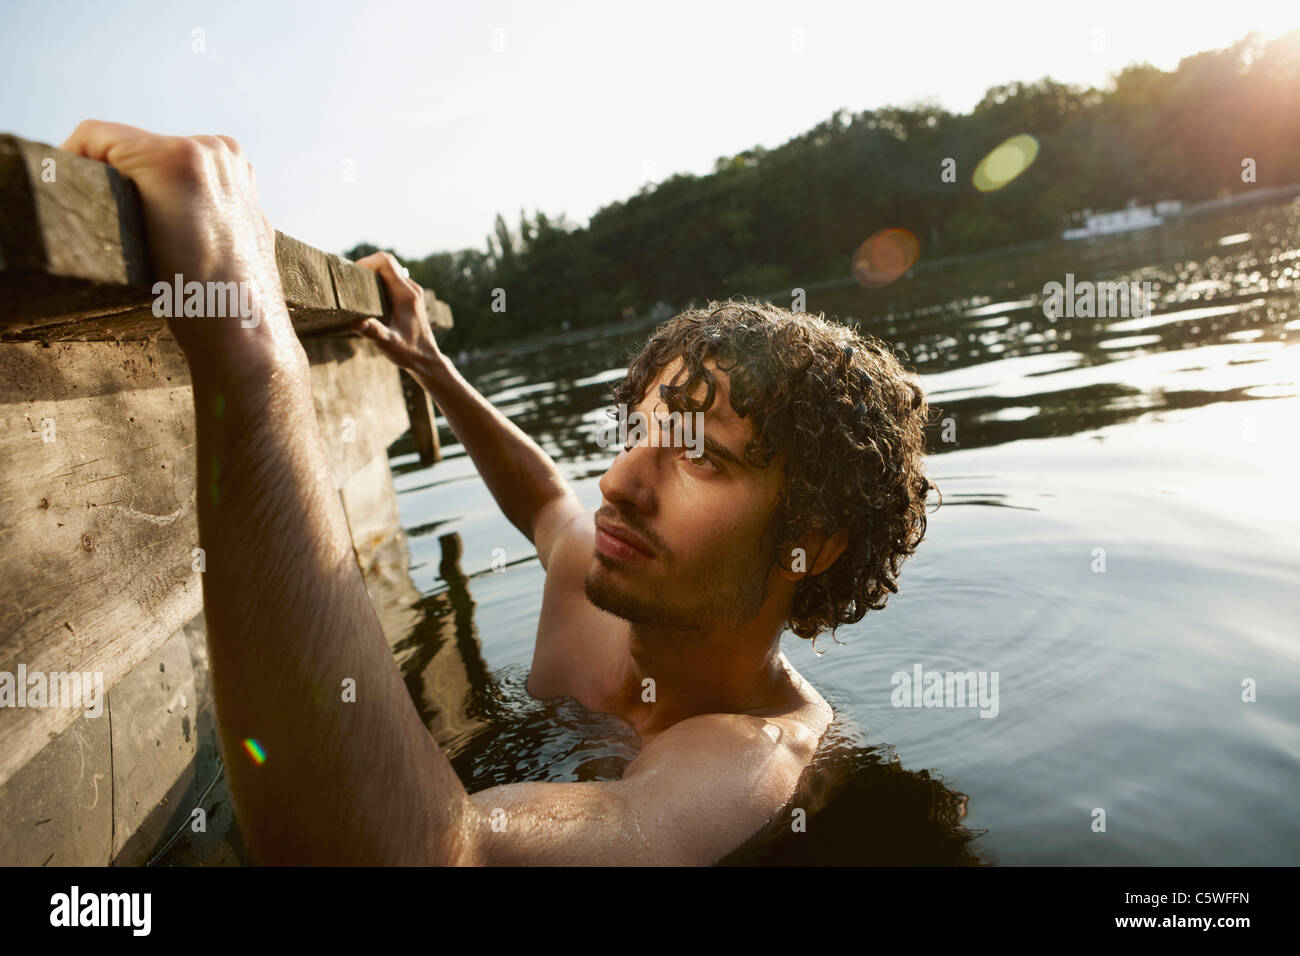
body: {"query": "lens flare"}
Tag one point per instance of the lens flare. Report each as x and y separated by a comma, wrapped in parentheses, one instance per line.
(884, 257)
(254, 750)
(1005, 163)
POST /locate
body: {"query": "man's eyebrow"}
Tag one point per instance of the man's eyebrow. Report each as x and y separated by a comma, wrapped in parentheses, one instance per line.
(720, 451)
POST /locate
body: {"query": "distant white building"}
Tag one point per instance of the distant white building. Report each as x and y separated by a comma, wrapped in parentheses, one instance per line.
(1129, 219)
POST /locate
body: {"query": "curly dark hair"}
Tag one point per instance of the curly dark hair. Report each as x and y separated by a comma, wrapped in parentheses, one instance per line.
(847, 414)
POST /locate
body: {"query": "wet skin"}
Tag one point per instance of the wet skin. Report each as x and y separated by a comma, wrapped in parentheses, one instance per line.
(731, 725)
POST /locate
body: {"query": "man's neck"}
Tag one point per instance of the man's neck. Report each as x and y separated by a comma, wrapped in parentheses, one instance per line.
(696, 672)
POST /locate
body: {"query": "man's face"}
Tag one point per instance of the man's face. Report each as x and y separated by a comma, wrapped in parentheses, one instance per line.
(701, 520)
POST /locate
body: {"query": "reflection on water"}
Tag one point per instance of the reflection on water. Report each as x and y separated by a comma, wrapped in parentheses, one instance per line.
(555, 740)
(1118, 541)
(864, 809)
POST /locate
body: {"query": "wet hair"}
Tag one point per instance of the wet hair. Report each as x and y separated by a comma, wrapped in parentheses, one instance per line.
(849, 418)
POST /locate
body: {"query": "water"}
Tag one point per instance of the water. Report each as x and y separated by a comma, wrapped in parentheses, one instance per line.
(1163, 449)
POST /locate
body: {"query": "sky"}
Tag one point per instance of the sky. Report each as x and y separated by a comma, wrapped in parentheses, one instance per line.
(410, 125)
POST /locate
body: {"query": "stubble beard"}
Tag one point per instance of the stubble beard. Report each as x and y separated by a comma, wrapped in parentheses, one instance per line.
(716, 597)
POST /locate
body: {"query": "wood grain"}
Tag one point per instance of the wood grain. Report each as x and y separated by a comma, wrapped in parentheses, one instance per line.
(98, 525)
(75, 263)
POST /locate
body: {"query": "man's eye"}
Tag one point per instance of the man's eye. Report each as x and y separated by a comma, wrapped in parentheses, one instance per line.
(699, 460)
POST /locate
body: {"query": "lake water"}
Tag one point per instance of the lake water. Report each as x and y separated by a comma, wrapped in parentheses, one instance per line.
(1119, 543)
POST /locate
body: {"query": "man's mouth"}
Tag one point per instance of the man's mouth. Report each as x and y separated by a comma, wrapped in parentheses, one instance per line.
(621, 543)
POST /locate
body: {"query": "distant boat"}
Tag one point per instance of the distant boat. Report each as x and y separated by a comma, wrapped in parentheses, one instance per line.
(1129, 219)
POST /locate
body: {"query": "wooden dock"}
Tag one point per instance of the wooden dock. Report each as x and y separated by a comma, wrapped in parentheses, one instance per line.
(99, 571)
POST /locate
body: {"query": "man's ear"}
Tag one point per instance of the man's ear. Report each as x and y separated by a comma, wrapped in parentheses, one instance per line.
(812, 554)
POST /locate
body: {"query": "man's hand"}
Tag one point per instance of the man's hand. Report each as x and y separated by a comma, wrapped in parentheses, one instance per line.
(204, 221)
(525, 482)
(286, 610)
(408, 340)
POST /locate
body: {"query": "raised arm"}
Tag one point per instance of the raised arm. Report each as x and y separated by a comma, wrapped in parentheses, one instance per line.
(315, 779)
(522, 478)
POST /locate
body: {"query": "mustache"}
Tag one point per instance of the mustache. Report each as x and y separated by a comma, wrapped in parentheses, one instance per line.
(613, 514)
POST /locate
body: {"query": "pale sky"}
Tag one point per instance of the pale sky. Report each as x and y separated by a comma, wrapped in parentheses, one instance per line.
(445, 113)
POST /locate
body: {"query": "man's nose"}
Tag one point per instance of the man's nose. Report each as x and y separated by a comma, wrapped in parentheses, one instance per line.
(631, 478)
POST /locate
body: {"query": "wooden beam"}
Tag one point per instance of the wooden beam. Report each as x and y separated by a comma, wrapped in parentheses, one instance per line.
(75, 263)
(356, 288)
(359, 403)
(97, 520)
(439, 311)
(97, 484)
(304, 276)
(360, 290)
(58, 808)
(420, 413)
(151, 716)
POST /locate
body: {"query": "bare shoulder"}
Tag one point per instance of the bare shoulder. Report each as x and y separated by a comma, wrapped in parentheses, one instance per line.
(723, 777)
(557, 523)
(809, 714)
(576, 536)
(795, 727)
(573, 653)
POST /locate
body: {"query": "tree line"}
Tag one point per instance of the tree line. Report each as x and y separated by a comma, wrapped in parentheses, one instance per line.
(765, 220)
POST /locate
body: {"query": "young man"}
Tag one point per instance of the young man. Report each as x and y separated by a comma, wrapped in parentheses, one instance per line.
(665, 607)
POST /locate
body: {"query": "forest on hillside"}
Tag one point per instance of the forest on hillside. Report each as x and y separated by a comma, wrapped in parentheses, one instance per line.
(769, 219)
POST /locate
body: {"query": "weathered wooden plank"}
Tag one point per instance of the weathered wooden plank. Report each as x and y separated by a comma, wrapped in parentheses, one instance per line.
(304, 275)
(152, 715)
(58, 809)
(424, 429)
(73, 228)
(64, 215)
(217, 842)
(118, 786)
(370, 502)
(358, 289)
(97, 523)
(361, 290)
(439, 311)
(359, 404)
(75, 265)
(97, 519)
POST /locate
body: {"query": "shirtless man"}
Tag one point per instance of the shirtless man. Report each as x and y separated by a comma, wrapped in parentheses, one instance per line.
(664, 608)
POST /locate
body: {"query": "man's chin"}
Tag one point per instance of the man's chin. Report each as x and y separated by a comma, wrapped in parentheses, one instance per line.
(606, 594)
(609, 586)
